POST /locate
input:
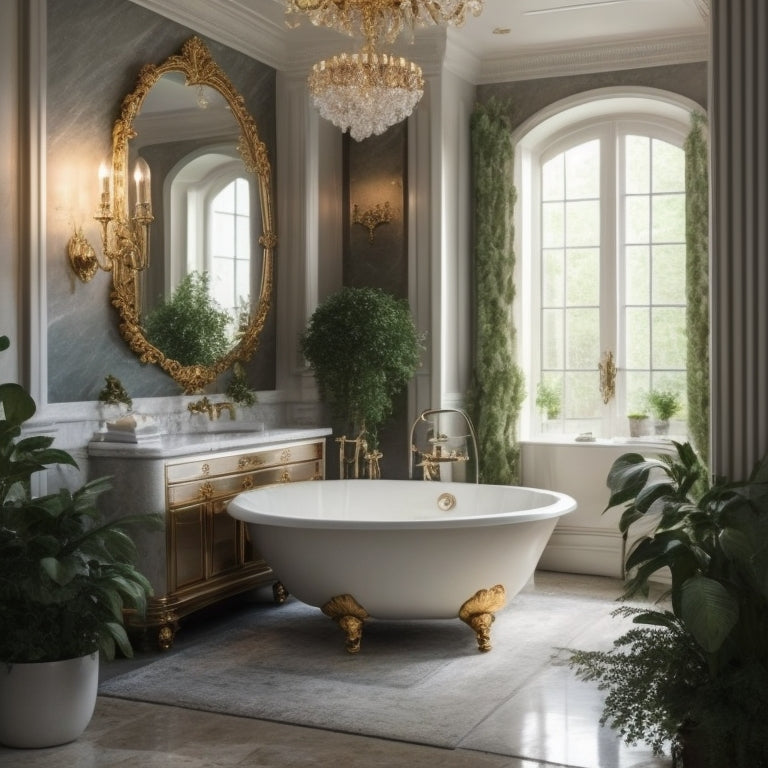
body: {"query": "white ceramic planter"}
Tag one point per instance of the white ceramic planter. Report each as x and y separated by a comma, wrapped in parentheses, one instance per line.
(47, 703)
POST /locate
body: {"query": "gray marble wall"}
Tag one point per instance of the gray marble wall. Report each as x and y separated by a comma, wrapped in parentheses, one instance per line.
(528, 97)
(95, 51)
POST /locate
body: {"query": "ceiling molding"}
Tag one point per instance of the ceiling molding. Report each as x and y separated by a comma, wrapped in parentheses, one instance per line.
(259, 35)
(264, 35)
(589, 59)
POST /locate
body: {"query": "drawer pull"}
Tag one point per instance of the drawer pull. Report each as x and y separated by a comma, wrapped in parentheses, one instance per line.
(247, 483)
(205, 469)
(285, 456)
(285, 477)
(249, 461)
(206, 491)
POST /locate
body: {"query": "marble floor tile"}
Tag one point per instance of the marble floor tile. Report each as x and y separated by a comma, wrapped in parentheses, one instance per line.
(551, 722)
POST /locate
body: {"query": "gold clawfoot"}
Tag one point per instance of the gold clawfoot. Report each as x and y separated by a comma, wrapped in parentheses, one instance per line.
(349, 615)
(478, 612)
(279, 592)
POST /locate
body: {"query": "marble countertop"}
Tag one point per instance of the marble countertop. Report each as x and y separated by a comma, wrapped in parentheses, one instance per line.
(167, 446)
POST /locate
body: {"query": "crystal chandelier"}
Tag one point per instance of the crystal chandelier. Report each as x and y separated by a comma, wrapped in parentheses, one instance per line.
(367, 92)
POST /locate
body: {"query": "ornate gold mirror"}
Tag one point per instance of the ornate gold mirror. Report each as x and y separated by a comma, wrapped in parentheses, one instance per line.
(212, 206)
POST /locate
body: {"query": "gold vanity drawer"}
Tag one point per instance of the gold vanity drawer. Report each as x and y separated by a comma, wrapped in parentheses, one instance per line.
(211, 467)
(218, 487)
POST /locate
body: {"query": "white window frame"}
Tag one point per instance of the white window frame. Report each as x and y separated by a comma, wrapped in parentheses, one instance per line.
(604, 113)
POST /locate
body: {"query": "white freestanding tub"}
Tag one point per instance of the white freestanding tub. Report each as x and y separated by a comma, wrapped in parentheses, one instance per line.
(401, 549)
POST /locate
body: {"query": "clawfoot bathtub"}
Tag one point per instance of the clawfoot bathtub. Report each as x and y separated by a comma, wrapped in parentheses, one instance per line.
(400, 549)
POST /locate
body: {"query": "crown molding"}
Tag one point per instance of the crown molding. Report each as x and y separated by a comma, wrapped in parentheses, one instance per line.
(259, 34)
(632, 54)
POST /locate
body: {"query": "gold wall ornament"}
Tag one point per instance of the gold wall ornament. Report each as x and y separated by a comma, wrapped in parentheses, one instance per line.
(199, 69)
(477, 612)
(608, 371)
(372, 217)
(82, 257)
(349, 615)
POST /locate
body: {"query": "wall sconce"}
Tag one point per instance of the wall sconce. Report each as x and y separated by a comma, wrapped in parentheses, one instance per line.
(372, 218)
(124, 242)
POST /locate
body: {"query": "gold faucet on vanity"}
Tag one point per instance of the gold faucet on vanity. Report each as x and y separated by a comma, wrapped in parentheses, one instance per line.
(212, 409)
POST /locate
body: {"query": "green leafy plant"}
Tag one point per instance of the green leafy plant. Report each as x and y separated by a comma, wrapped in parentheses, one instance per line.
(664, 404)
(548, 399)
(700, 670)
(65, 576)
(190, 327)
(363, 347)
(497, 389)
(114, 393)
(238, 390)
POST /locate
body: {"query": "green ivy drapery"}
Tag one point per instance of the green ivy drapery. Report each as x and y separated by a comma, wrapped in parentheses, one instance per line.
(697, 283)
(497, 388)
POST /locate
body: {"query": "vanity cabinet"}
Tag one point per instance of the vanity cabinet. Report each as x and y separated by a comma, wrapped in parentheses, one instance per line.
(203, 555)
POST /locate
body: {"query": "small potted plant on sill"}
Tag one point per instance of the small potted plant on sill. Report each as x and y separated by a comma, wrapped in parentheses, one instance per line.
(548, 401)
(664, 404)
(114, 400)
(65, 578)
(693, 673)
(638, 424)
(363, 347)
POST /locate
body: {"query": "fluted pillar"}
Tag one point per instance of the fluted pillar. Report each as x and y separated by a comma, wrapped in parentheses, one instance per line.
(739, 147)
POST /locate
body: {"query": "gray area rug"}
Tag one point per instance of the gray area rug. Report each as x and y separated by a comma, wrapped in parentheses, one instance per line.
(417, 681)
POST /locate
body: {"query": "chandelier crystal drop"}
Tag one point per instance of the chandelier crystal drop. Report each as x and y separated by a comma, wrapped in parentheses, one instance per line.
(384, 19)
(365, 93)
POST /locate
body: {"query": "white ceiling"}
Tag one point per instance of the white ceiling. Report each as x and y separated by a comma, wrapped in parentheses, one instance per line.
(544, 37)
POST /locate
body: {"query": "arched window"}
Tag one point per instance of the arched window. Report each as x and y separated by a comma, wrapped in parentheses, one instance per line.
(601, 234)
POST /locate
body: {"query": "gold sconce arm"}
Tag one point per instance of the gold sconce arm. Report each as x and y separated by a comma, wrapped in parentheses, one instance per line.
(124, 242)
(608, 371)
(372, 218)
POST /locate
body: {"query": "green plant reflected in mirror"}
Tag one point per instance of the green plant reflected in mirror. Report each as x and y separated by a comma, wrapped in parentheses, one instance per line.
(214, 228)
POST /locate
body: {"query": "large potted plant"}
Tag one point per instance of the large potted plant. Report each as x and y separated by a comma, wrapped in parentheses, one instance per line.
(693, 672)
(65, 578)
(363, 347)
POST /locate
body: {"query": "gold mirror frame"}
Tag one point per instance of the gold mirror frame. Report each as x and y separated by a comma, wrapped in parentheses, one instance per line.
(198, 68)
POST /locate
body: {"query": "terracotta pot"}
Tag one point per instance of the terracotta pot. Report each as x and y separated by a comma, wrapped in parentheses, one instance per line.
(47, 703)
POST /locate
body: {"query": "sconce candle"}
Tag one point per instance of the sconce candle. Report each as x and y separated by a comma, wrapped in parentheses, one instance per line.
(104, 185)
(142, 176)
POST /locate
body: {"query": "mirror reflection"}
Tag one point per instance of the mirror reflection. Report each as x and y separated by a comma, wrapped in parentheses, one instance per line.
(202, 302)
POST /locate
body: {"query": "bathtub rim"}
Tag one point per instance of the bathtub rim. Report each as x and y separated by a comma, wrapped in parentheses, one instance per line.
(563, 504)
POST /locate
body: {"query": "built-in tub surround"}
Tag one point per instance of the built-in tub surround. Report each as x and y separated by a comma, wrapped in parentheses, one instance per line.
(394, 549)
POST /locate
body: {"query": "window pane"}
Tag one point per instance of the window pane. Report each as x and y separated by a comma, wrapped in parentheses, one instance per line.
(668, 167)
(552, 225)
(638, 164)
(582, 171)
(638, 338)
(638, 387)
(223, 237)
(553, 179)
(552, 339)
(668, 326)
(669, 274)
(669, 218)
(225, 200)
(552, 276)
(583, 276)
(637, 220)
(222, 282)
(583, 338)
(582, 223)
(243, 203)
(637, 274)
(582, 395)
